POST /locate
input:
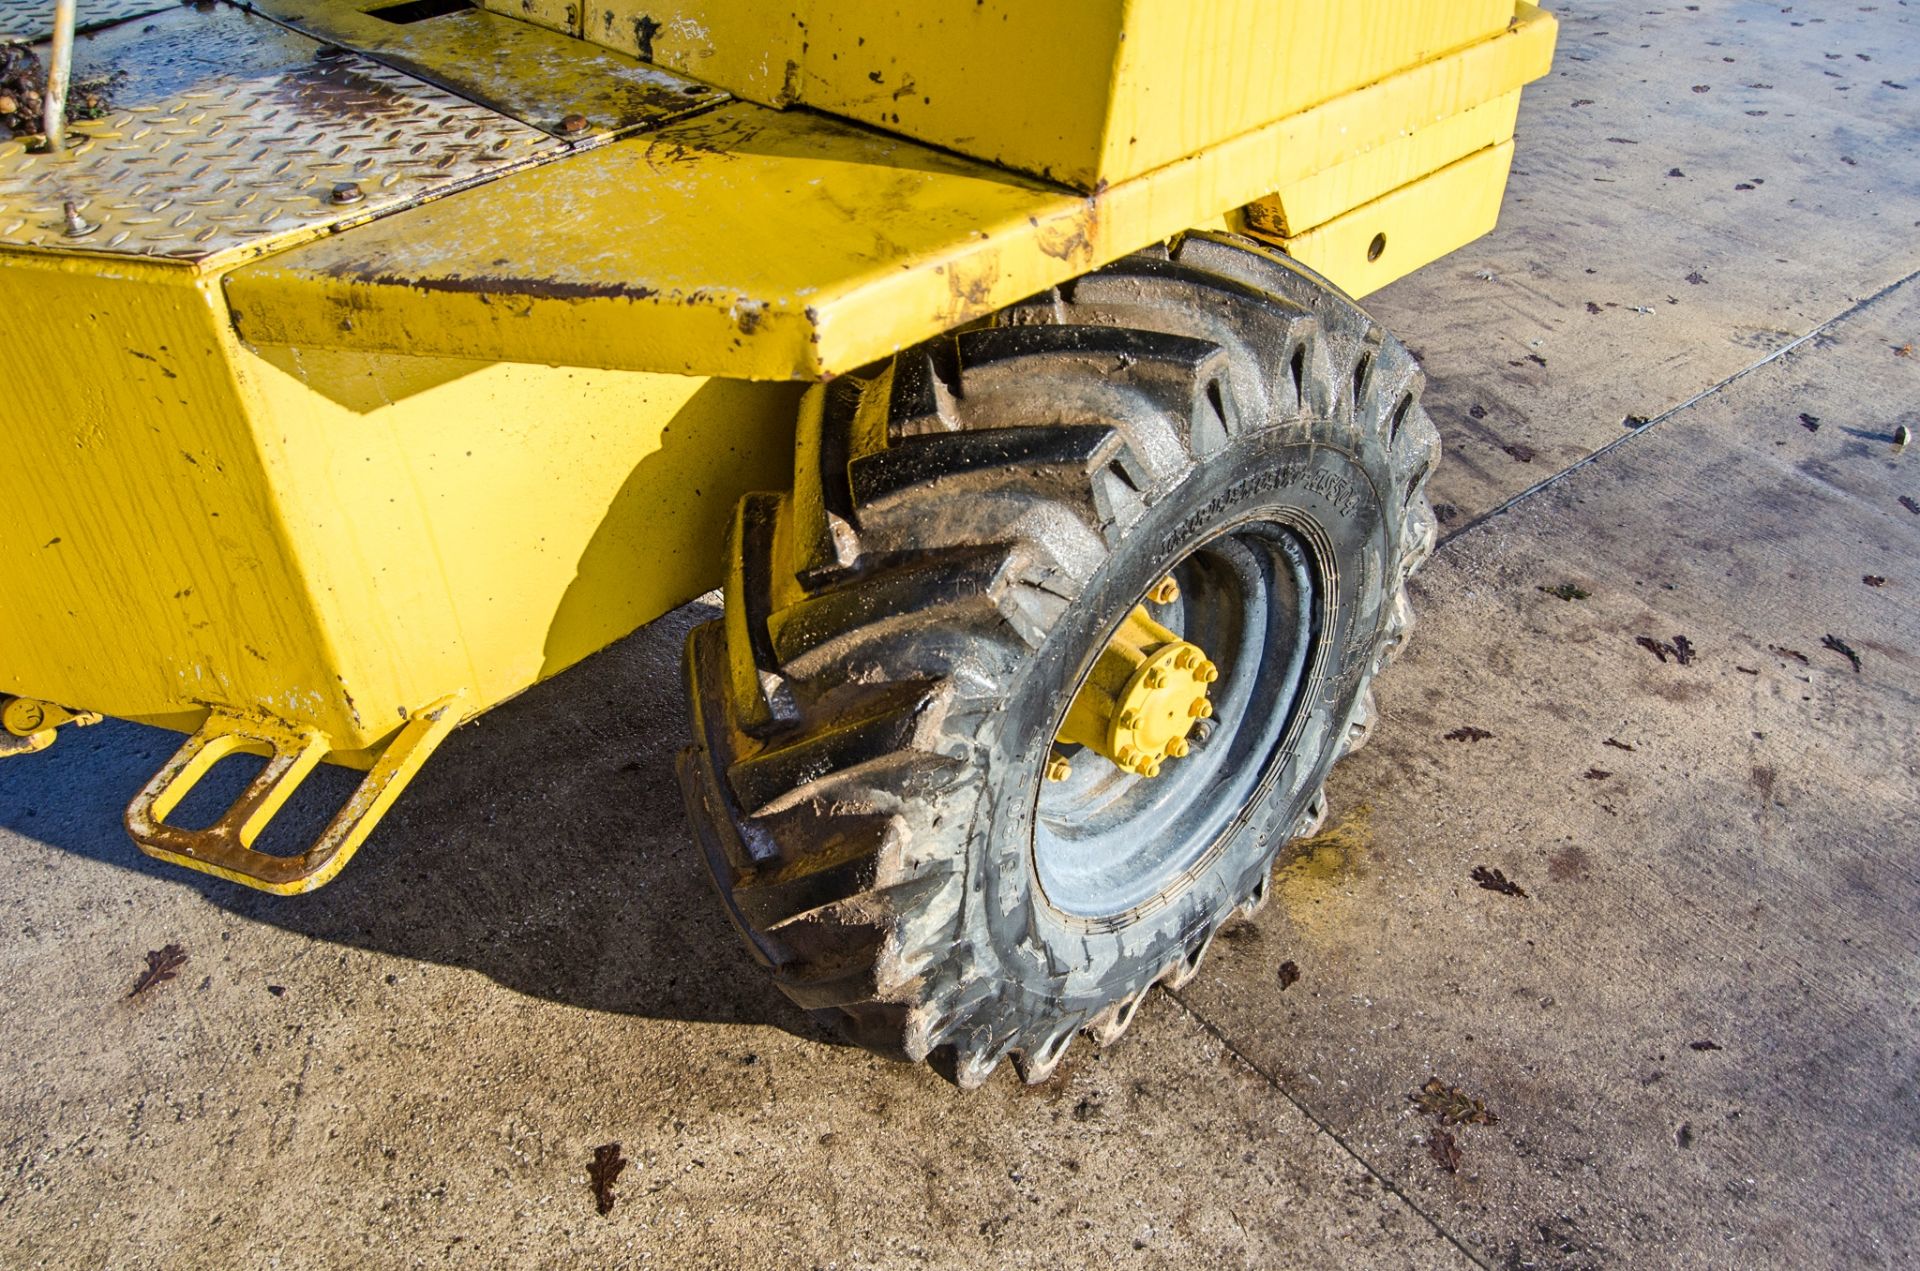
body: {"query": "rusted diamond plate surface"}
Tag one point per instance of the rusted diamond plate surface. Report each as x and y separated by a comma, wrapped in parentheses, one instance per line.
(27, 21)
(227, 134)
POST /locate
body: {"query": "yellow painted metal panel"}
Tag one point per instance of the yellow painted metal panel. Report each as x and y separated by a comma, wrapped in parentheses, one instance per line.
(1392, 236)
(750, 50)
(1082, 91)
(1195, 72)
(1339, 189)
(754, 244)
(332, 539)
(556, 15)
(145, 566)
(481, 526)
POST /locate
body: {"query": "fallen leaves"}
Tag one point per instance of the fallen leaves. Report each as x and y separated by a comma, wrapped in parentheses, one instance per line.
(1680, 650)
(1567, 591)
(1837, 645)
(1703, 1045)
(1495, 880)
(1907, 503)
(1795, 654)
(1445, 1151)
(1289, 975)
(1520, 453)
(606, 1167)
(1597, 774)
(1873, 580)
(162, 965)
(1468, 733)
(1617, 744)
(1450, 1105)
(1810, 422)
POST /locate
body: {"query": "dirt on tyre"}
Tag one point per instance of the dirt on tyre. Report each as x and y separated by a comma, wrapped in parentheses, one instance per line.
(1201, 461)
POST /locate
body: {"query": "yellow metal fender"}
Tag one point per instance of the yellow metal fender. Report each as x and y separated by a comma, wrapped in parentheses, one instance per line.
(755, 244)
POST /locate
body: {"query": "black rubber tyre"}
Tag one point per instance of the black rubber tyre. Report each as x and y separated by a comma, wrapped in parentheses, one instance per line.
(903, 632)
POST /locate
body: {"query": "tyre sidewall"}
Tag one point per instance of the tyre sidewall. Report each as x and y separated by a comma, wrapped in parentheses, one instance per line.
(1321, 483)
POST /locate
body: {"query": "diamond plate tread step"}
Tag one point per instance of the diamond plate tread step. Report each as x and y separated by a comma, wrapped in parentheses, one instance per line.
(538, 76)
(30, 21)
(227, 135)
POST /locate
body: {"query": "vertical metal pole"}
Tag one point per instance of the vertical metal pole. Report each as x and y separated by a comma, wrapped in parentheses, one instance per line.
(55, 116)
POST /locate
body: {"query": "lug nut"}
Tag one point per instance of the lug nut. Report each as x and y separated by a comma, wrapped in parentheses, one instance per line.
(1058, 769)
(1177, 749)
(1207, 673)
(348, 192)
(1164, 592)
(1202, 709)
(1156, 678)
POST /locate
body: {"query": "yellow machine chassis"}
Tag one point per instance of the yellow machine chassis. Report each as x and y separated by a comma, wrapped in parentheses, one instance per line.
(325, 494)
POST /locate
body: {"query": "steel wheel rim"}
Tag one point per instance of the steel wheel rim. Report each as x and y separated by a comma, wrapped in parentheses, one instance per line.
(1108, 844)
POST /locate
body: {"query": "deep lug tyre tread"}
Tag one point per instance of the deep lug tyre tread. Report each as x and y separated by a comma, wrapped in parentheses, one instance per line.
(946, 512)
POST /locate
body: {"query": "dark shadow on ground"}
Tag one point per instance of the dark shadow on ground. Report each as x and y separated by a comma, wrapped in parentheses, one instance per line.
(545, 846)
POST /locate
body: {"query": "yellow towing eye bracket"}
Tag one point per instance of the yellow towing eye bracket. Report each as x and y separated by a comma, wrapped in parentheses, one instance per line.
(225, 848)
(28, 724)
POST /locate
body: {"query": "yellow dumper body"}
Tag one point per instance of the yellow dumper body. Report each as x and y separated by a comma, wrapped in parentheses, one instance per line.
(367, 363)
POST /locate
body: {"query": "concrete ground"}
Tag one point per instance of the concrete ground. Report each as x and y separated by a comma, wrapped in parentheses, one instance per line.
(1668, 386)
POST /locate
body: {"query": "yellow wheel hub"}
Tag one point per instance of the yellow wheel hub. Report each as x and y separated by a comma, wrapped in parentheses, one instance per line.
(1142, 698)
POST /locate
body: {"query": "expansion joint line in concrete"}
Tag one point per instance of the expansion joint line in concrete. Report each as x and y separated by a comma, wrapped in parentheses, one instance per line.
(1394, 1188)
(1701, 396)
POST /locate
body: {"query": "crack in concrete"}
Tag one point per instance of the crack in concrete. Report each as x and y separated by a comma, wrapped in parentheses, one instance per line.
(1509, 504)
(1783, 351)
(1274, 1081)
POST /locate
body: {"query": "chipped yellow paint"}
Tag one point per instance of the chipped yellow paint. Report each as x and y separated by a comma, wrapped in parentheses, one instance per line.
(1079, 91)
(756, 244)
(224, 849)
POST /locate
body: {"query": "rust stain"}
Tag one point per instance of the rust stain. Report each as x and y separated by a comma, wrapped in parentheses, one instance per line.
(1071, 239)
